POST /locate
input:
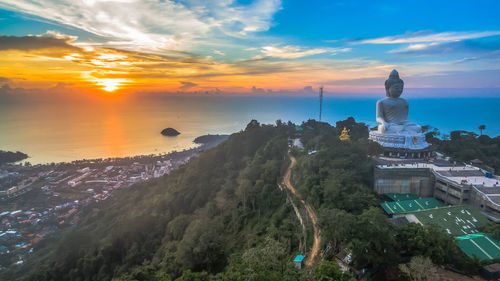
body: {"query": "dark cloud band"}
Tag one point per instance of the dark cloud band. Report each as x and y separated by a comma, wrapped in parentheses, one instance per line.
(26, 43)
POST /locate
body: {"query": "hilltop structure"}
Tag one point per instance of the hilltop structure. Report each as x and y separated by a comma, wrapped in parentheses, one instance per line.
(409, 165)
(399, 137)
(450, 183)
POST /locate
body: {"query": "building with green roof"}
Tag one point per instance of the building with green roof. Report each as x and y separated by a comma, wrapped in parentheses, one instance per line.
(405, 206)
(401, 196)
(456, 220)
(479, 245)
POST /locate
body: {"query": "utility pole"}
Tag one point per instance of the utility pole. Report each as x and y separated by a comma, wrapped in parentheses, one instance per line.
(320, 101)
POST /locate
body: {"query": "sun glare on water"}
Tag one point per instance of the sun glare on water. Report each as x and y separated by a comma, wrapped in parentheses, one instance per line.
(110, 85)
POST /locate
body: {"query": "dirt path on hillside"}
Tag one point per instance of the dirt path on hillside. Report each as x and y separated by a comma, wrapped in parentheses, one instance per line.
(288, 174)
(310, 212)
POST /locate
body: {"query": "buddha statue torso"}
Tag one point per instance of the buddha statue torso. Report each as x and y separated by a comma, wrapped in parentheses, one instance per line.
(394, 110)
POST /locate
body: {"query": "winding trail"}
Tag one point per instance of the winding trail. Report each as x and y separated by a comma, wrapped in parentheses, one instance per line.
(310, 212)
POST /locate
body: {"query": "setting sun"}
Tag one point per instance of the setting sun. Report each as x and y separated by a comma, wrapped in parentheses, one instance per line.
(109, 84)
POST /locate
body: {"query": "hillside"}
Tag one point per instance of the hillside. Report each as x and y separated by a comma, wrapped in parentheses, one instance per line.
(222, 216)
(224, 201)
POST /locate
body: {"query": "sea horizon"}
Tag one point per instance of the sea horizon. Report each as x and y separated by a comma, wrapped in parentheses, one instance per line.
(51, 132)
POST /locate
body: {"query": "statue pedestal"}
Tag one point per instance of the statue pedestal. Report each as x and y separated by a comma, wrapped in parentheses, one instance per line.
(403, 145)
(407, 141)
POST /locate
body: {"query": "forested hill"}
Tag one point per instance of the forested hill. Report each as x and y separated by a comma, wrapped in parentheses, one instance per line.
(220, 203)
(222, 217)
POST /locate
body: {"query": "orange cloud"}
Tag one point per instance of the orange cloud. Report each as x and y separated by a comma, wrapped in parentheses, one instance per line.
(50, 59)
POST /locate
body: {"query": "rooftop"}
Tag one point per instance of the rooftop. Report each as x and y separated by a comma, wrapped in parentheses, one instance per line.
(299, 258)
(491, 193)
(401, 196)
(479, 245)
(459, 174)
(406, 206)
(489, 190)
(495, 198)
(455, 220)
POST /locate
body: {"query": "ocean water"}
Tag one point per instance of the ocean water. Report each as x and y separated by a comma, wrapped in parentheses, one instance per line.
(57, 132)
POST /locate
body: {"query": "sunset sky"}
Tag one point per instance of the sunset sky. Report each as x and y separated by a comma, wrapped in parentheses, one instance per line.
(256, 47)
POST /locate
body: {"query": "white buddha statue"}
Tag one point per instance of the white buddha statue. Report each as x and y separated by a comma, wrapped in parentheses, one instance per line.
(394, 129)
(392, 112)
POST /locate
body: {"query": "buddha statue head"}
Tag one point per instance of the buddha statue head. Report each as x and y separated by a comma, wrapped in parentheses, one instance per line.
(394, 85)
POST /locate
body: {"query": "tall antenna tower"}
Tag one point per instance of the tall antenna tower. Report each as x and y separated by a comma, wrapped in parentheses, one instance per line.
(320, 101)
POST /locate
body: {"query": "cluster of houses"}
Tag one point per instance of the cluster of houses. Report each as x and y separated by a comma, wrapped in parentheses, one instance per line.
(53, 190)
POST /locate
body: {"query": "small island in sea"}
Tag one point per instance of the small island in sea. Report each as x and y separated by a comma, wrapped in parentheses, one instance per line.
(170, 132)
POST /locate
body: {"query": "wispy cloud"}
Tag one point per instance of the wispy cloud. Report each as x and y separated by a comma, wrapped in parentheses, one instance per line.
(220, 53)
(470, 46)
(293, 52)
(153, 25)
(428, 37)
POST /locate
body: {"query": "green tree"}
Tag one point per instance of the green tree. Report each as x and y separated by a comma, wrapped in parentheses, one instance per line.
(202, 247)
(291, 273)
(492, 229)
(267, 262)
(144, 273)
(187, 275)
(336, 226)
(330, 271)
(431, 242)
(374, 244)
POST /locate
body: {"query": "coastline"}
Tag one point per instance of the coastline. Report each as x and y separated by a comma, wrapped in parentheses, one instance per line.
(200, 143)
(132, 128)
(53, 196)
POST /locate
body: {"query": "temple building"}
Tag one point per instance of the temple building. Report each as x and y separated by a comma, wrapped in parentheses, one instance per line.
(409, 165)
(448, 182)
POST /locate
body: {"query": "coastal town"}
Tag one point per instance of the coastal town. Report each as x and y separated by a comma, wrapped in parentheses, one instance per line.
(37, 200)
